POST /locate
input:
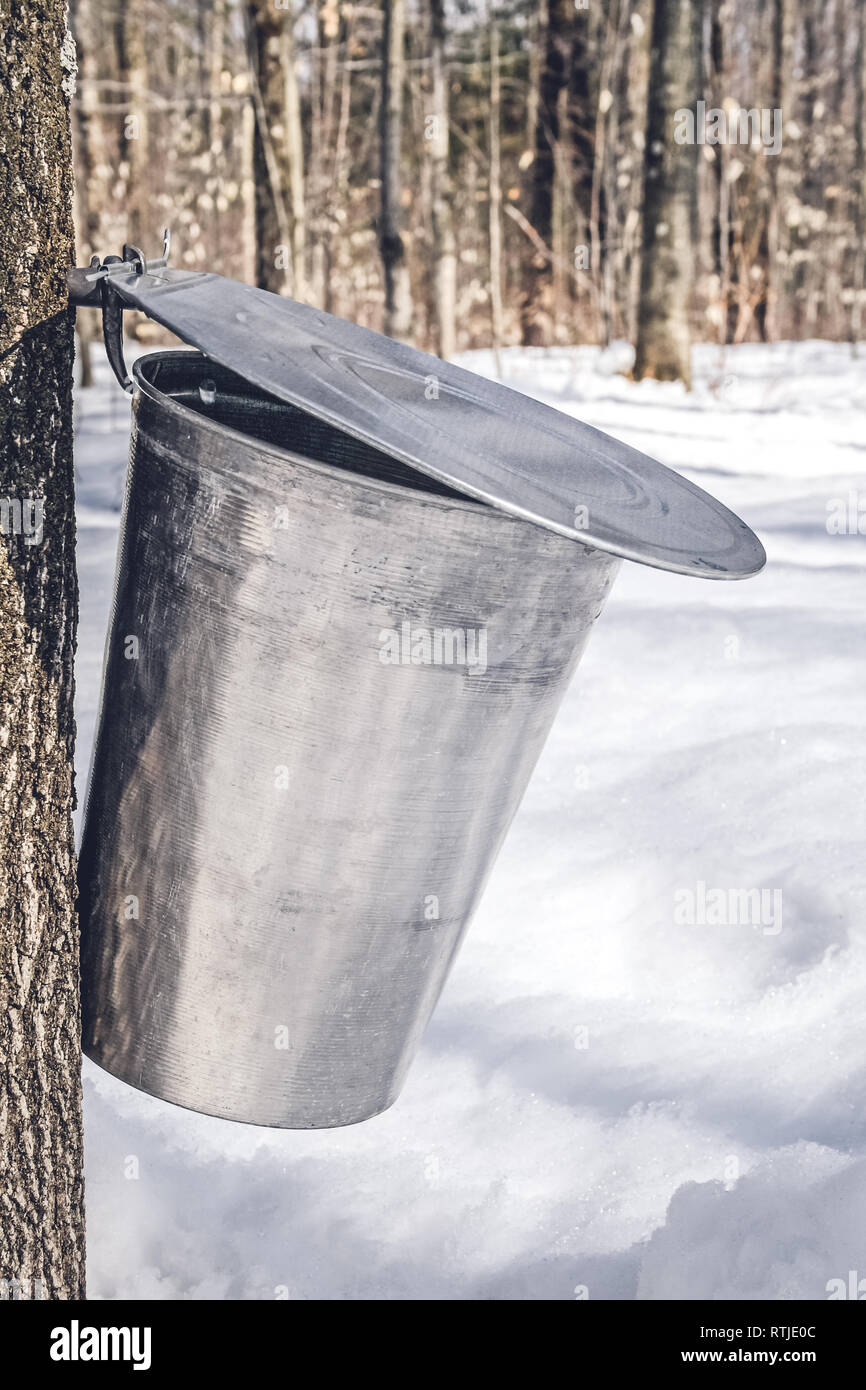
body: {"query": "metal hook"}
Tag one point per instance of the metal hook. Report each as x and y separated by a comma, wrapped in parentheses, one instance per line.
(91, 285)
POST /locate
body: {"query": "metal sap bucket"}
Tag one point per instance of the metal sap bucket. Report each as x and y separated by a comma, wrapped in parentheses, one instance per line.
(328, 678)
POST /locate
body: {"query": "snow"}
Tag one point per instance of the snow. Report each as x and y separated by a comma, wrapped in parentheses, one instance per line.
(606, 1104)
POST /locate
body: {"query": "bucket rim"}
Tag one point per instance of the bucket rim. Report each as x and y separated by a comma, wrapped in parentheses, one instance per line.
(348, 476)
(491, 443)
(474, 505)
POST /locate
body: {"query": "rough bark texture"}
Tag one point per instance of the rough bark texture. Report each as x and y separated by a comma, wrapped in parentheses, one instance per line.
(670, 187)
(41, 1195)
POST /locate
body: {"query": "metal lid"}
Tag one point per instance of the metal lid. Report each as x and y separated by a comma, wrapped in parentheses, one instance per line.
(477, 436)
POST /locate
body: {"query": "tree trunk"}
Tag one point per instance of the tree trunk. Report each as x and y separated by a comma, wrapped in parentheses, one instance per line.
(859, 190)
(275, 270)
(537, 307)
(249, 202)
(720, 227)
(768, 249)
(326, 222)
(294, 156)
(133, 136)
(601, 167)
(212, 114)
(810, 187)
(495, 199)
(444, 245)
(87, 226)
(134, 126)
(41, 1203)
(398, 301)
(669, 198)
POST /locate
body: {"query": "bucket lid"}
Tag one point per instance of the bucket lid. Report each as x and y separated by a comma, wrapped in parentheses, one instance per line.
(477, 436)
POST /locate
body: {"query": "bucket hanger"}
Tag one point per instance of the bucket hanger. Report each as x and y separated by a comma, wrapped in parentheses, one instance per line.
(92, 285)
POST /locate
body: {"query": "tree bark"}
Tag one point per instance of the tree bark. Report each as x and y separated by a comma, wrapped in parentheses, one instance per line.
(41, 1202)
(663, 346)
(398, 300)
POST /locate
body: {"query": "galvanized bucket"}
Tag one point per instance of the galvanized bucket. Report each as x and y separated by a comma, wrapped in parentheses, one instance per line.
(328, 677)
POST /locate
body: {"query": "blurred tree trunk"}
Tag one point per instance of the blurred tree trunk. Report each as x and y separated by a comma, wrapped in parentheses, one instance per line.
(596, 165)
(537, 31)
(133, 128)
(275, 270)
(444, 245)
(859, 190)
(212, 113)
(720, 233)
(41, 1202)
(495, 199)
(768, 250)
(249, 201)
(537, 307)
(133, 132)
(87, 229)
(398, 301)
(294, 156)
(327, 211)
(663, 347)
(809, 262)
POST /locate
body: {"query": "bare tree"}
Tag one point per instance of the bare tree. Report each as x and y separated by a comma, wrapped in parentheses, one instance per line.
(444, 244)
(41, 1202)
(495, 198)
(294, 146)
(275, 269)
(133, 130)
(537, 306)
(398, 300)
(87, 222)
(337, 132)
(768, 251)
(859, 191)
(669, 198)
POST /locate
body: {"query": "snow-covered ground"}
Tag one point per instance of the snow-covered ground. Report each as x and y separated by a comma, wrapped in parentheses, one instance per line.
(608, 1102)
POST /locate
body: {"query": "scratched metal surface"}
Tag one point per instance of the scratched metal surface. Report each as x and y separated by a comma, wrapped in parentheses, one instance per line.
(303, 907)
(479, 436)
